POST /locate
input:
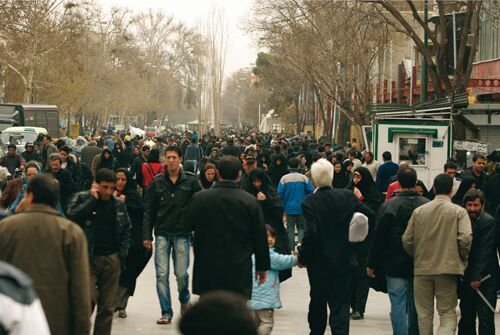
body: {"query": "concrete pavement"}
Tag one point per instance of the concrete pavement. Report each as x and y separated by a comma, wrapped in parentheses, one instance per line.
(143, 309)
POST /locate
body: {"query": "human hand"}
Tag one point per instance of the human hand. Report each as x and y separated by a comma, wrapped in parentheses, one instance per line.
(370, 272)
(260, 276)
(261, 196)
(475, 284)
(148, 244)
(94, 190)
(357, 193)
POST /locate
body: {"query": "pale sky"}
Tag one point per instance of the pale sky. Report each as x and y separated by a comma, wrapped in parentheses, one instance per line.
(241, 49)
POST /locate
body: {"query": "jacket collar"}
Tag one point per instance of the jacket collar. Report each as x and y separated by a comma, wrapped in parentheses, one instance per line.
(182, 175)
(408, 193)
(226, 184)
(442, 197)
(42, 208)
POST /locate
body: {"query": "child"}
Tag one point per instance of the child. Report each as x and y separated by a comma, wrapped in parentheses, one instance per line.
(266, 297)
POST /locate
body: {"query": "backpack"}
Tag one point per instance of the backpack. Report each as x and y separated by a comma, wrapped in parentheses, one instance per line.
(151, 173)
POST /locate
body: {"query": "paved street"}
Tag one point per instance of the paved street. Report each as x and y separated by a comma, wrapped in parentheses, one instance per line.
(143, 310)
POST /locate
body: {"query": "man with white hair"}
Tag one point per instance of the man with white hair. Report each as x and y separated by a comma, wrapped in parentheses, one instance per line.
(326, 250)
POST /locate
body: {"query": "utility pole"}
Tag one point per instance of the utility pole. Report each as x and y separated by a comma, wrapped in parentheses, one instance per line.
(425, 80)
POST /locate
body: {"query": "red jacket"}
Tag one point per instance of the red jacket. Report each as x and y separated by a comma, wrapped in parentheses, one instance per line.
(150, 170)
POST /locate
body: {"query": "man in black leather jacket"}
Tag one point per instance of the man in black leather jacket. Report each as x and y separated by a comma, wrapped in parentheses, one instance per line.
(387, 256)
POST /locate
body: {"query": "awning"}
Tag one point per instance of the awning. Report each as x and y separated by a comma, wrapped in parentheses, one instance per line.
(421, 131)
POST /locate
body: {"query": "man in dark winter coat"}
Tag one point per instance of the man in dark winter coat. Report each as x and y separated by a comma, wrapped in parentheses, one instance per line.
(89, 152)
(166, 201)
(481, 263)
(64, 178)
(326, 250)
(387, 253)
(229, 227)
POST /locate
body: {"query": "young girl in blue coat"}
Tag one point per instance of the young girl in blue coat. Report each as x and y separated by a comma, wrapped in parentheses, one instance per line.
(266, 297)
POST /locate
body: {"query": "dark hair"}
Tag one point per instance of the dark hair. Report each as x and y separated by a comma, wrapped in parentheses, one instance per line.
(47, 136)
(45, 190)
(352, 153)
(154, 156)
(477, 156)
(386, 156)
(11, 146)
(32, 164)
(105, 175)
(219, 312)
(450, 165)
(65, 148)
(229, 167)
(407, 177)
(11, 191)
(293, 163)
(472, 195)
(443, 184)
(270, 230)
(174, 148)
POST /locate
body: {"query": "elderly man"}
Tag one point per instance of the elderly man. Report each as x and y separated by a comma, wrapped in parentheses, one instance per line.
(326, 250)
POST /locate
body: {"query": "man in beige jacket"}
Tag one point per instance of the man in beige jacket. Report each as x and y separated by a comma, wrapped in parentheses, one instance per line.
(438, 238)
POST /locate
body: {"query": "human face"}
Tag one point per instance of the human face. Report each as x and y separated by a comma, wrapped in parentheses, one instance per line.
(356, 178)
(338, 168)
(271, 240)
(121, 181)
(36, 148)
(136, 151)
(474, 208)
(11, 151)
(145, 153)
(106, 189)
(257, 183)
(213, 154)
(478, 165)
(419, 190)
(64, 155)
(106, 155)
(30, 172)
(210, 175)
(29, 149)
(368, 158)
(173, 160)
(473, 186)
(45, 140)
(303, 160)
(451, 172)
(55, 165)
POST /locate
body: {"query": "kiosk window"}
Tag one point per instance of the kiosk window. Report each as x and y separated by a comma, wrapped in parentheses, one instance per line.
(412, 150)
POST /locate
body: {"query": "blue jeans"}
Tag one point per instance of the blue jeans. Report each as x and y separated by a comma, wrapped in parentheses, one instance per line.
(178, 246)
(293, 220)
(403, 313)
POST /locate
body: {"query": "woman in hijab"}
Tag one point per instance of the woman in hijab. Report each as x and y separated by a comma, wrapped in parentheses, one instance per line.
(138, 256)
(340, 177)
(208, 176)
(367, 192)
(278, 168)
(104, 160)
(272, 208)
(421, 189)
(468, 183)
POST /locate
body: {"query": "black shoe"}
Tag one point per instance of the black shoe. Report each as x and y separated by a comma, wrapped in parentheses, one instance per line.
(357, 316)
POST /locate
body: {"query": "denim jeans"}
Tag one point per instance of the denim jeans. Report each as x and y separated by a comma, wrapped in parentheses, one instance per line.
(403, 313)
(178, 246)
(293, 220)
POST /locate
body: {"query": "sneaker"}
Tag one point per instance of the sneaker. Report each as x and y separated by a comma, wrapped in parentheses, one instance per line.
(122, 313)
(164, 320)
(357, 316)
(185, 308)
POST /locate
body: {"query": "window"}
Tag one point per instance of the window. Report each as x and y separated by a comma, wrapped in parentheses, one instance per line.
(412, 150)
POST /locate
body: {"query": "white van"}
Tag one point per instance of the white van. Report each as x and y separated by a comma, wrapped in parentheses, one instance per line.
(21, 135)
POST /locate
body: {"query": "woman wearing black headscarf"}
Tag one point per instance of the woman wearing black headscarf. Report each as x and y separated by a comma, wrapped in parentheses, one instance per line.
(279, 168)
(367, 192)
(340, 177)
(466, 184)
(138, 256)
(272, 209)
(104, 160)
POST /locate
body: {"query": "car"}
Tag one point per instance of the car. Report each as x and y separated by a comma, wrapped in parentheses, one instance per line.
(21, 135)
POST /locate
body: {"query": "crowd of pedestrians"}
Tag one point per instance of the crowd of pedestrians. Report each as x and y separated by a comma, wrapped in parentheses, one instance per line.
(83, 221)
